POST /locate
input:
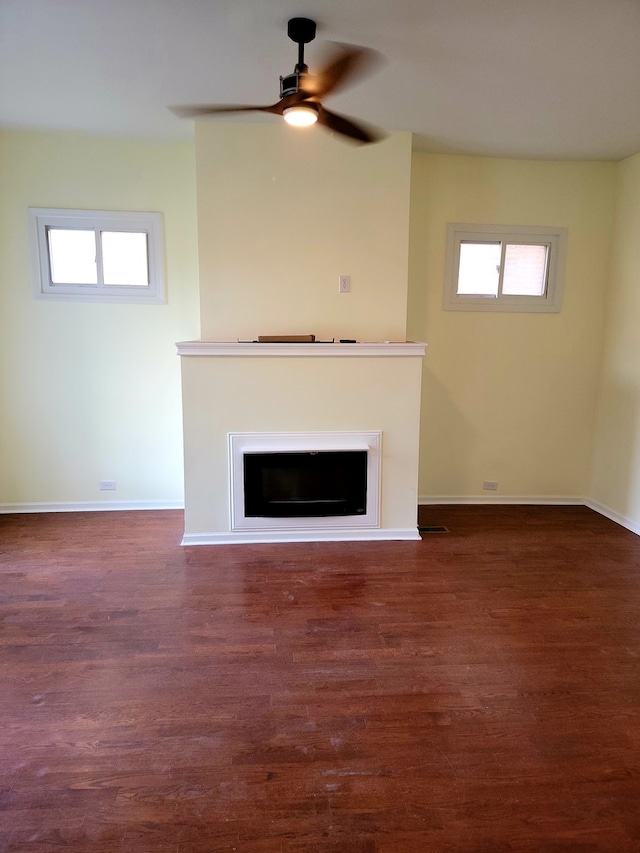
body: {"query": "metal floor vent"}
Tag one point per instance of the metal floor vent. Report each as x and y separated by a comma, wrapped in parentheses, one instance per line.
(433, 529)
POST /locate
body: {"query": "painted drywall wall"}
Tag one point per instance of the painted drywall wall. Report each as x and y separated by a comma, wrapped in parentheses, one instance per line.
(509, 397)
(616, 460)
(282, 214)
(91, 392)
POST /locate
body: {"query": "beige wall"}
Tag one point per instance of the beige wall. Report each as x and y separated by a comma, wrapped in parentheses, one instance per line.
(509, 397)
(282, 214)
(92, 391)
(616, 469)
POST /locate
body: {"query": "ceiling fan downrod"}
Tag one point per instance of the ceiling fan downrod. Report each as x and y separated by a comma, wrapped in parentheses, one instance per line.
(301, 31)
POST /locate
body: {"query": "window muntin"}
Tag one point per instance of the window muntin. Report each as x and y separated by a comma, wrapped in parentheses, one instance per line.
(97, 256)
(504, 268)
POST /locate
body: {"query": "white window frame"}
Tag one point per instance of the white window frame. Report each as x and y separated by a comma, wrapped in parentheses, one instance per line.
(554, 238)
(41, 219)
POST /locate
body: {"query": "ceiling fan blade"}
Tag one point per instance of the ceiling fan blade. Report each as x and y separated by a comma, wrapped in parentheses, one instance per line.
(215, 109)
(355, 132)
(348, 64)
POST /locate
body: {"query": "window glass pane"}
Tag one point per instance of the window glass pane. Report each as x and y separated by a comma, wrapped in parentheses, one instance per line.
(479, 269)
(72, 256)
(525, 270)
(124, 258)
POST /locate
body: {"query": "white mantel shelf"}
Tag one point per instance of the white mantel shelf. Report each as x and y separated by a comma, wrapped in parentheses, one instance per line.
(376, 349)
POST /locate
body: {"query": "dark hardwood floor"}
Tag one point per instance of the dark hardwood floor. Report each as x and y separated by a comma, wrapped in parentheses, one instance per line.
(478, 690)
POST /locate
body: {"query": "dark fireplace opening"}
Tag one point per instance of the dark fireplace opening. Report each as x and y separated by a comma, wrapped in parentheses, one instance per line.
(305, 484)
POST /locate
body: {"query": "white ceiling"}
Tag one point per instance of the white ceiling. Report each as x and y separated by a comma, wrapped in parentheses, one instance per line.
(514, 78)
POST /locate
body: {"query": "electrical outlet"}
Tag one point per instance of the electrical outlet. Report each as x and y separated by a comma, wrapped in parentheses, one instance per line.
(107, 485)
(490, 486)
(344, 284)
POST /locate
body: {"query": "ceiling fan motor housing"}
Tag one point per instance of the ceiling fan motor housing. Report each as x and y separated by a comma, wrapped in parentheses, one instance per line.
(292, 83)
(301, 31)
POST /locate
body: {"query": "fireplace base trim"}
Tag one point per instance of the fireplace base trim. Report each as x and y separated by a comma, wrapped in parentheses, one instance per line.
(248, 537)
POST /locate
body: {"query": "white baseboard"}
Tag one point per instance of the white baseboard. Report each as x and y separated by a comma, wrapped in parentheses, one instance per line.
(533, 500)
(245, 537)
(611, 514)
(538, 500)
(88, 506)
(327, 535)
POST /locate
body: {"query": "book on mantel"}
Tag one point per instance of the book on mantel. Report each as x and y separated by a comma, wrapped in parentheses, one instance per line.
(286, 339)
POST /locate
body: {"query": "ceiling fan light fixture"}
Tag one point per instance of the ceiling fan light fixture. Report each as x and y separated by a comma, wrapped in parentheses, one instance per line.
(301, 115)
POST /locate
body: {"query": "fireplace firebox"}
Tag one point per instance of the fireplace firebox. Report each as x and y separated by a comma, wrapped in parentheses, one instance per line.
(305, 484)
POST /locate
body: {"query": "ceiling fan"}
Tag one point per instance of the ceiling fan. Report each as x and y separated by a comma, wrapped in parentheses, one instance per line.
(302, 93)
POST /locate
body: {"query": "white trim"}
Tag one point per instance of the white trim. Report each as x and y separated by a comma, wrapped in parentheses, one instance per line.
(260, 442)
(554, 237)
(149, 223)
(88, 506)
(221, 348)
(612, 515)
(541, 500)
(247, 537)
(533, 500)
(319, 535)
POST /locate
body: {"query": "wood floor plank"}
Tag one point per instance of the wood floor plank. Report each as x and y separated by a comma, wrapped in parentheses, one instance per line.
(478, 690)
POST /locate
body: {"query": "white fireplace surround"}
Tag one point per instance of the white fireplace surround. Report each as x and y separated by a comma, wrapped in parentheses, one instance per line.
(248, 397)
(291, 442)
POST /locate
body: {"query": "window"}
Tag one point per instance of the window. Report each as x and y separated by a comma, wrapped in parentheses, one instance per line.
(504, 268)
(97, 255)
